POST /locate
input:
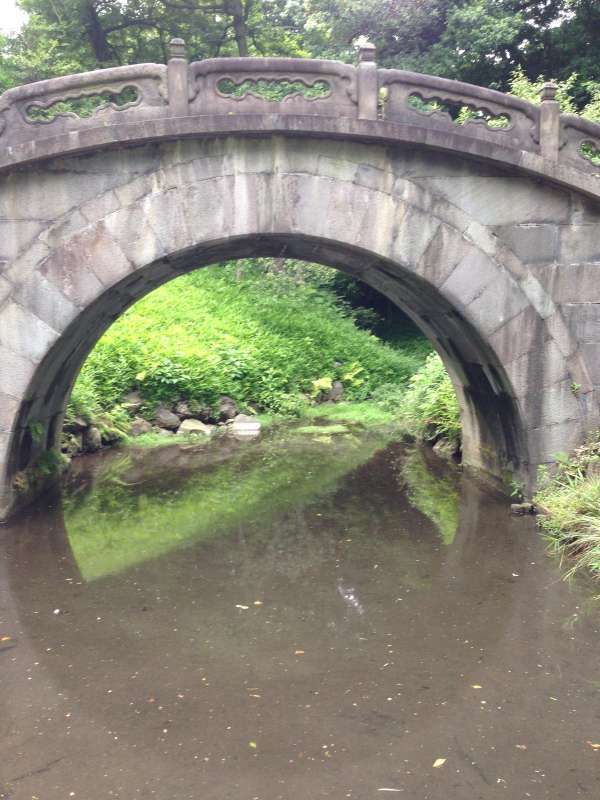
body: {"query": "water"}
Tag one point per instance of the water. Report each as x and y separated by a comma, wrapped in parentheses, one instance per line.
(300, 617)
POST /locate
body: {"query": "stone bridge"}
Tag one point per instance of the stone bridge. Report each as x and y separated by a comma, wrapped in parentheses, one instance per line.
(475, 212)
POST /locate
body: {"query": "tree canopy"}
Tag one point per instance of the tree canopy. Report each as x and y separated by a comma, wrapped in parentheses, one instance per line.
(480, 41)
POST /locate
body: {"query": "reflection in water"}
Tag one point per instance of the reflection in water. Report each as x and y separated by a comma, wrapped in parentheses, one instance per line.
(350, 598)
(281, 619)
(433, 490)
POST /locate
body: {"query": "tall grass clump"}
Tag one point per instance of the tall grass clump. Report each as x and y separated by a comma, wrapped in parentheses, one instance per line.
(569, 501)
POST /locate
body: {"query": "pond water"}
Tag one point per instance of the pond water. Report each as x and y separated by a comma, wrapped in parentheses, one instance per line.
(299, 617)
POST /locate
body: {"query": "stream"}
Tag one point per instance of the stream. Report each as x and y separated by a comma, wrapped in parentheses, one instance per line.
(309, 615)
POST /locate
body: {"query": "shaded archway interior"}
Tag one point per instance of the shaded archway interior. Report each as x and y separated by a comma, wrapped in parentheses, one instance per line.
(493, 440)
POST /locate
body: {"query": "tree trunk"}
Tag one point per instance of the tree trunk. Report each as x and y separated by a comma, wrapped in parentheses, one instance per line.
(240, 30)
(95, 32)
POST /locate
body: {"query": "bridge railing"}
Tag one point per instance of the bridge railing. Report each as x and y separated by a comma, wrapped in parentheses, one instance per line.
(452, 106)
(34, 115)
(90, 99)
(580, 139)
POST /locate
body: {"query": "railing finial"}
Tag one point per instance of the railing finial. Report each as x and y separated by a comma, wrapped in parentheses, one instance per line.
(548, 91)
(178, 78)
(366, 51)
(549, 122)
(177, 48)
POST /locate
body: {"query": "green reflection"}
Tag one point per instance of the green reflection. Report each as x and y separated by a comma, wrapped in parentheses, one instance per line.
(128, 517)
(434, 495)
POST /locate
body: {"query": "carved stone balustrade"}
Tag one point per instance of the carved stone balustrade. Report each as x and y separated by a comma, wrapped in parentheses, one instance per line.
(314, 97)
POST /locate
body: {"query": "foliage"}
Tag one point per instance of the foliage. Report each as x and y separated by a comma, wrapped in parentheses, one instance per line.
(429, 406)
(261, 337)
(481, 41)
(570, 500)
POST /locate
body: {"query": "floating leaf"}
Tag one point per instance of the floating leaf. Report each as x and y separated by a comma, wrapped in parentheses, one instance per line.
(439, 762)
(253, 745)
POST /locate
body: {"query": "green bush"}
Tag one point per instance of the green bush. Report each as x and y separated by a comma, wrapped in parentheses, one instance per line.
(262, 337)
(429, 406)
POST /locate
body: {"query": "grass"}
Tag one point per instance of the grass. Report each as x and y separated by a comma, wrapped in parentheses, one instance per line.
(366, 413)
(570, 502)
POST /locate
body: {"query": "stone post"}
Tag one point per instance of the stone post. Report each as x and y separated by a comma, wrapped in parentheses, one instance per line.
(549, 122)
(368, 88)
(177, 78)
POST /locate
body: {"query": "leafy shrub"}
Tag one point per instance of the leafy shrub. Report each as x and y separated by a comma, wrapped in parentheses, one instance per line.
(429, 405)
(261, 336)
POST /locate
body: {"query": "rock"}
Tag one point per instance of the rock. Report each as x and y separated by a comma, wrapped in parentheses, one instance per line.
(444, 448)
(244, 427)
(195, 427)
(139, 426)
(165, 418)
(76, 425)
(334, 395)
(593, 469)
(92, 439)
(522, 508)
(183, 410)
(163, 432)
(227, 408)
(110, 436)
(72, 443)
(132, 402)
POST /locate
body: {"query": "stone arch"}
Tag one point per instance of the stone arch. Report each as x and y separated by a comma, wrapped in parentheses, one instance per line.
(124, 222)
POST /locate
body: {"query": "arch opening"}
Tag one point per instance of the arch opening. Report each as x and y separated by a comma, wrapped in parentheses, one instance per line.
(493, 440)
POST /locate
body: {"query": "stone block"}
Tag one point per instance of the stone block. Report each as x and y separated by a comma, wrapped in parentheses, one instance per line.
(99, 207)
(533, 244)
(500, 301)
(24, 333)
(445, 251)
(5, 288)
(503, 201)
(46, 301)
(9, 408)
(131, 228)
(591, 356)
(580, 243)
(86, 264)
(539, 367)
(18, 234)
(537, 296)
(524, 333)
(545, 442)
(560, 331)
(412, 232)
(474, 272)
(16, 372)
(27, 263)
(552, 405)
(572, 283)
(582, 320)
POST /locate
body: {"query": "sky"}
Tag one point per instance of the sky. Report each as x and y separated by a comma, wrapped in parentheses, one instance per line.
(11, 17)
